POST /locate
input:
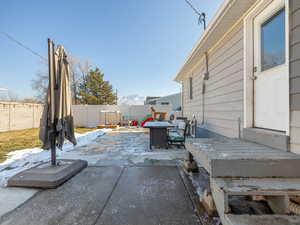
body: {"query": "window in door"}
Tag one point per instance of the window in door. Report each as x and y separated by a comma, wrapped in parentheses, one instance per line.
(273, 41)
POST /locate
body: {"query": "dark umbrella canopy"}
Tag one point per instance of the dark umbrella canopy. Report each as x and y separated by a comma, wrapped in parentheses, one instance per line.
(57, 121)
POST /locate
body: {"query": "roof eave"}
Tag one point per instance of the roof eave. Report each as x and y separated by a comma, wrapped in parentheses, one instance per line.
(205, 42)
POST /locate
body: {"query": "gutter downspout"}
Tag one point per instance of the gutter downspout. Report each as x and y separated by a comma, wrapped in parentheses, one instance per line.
(205, 77)
(182, 98)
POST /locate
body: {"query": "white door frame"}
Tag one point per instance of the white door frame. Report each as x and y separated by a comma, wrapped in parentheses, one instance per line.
(249, 59)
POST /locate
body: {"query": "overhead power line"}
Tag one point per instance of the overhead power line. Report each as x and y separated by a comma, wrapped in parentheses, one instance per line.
(193, 8)
(201, 15)
(23, 45)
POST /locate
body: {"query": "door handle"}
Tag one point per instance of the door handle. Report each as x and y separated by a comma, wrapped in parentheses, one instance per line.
(253, 77)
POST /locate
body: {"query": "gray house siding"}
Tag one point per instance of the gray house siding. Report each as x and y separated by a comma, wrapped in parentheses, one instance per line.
(295, 75)
(224, 89)
(193, 106)
(223, 98)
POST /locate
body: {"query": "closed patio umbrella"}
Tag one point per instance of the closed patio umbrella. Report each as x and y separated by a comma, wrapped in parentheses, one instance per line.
(57, 121)
(56, 126)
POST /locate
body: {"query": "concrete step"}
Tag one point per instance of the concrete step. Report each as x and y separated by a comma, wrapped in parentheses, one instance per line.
(224, 188)
(237, 158)
(261, 220)
(274, 139)
(275, 191)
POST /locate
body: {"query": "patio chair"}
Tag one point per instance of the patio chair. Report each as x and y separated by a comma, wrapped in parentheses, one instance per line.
(177, 136)
(180, 126)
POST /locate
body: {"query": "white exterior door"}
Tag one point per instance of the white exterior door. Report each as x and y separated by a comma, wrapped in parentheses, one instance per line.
(271, 79)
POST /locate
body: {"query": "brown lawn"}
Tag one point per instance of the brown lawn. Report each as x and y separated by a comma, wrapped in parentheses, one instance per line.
(21, 139)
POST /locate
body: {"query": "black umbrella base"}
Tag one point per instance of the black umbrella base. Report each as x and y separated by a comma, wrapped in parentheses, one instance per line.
(47, 176)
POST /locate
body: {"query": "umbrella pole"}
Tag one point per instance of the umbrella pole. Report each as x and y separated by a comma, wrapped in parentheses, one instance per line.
(52, 109)
(53, 150)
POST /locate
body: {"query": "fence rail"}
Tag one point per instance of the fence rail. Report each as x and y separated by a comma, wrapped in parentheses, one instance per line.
(90, 115)
(17, 116)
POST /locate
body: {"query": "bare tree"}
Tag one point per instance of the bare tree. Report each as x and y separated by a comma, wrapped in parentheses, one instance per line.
(12, 97)
(40, 85)
(31, 100)
(3, 94)
(8, 96)
(79, 69)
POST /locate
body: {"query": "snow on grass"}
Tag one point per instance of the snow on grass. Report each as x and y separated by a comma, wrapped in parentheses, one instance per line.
(20, 160)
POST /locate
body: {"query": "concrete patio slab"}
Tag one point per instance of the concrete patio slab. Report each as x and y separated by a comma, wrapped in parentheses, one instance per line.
(111, 196)
(79, 201)
(11, 198)
(125, 148)
(149, 196)
(154, 187)
(47, 176)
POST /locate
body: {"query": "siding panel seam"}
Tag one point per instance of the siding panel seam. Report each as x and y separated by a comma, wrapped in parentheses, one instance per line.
(225, 102)
(219, 118)
(295, 10)
(295, 27)
(225, 68)
(295, 43)
(225, 85)
(295, 77)
(217, 48)
(215, 125)
(224, 53)
(224, 77)
(294, 60)
(227, 58)
(228, 93)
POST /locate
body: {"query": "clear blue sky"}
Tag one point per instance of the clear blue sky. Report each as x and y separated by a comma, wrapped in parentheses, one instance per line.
(139, 44)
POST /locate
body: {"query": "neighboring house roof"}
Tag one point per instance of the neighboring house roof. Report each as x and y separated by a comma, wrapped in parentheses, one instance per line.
(230, 12)
(173, 99)
(168, 97)
(150, 100)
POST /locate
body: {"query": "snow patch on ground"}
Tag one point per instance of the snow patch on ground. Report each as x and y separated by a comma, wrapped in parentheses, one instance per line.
(20, 160)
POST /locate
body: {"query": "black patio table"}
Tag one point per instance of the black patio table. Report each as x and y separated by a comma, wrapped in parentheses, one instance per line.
(158, 133)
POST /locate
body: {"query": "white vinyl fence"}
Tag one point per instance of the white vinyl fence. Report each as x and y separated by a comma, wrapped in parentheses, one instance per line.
(91, 116)
(17, 116)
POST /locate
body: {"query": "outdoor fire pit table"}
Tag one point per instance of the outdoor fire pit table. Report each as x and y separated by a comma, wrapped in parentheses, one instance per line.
(158, 133)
